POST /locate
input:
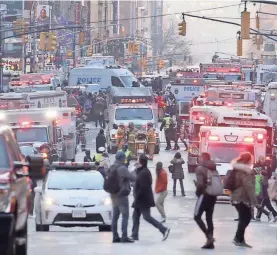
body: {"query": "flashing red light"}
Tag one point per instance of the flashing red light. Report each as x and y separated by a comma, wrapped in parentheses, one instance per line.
(62, 163)
(65, 114)
(144, 126)
(195, 81)
(260, 136)
(139, 100)
(25, 123)
(248, 139)
(213, 138)
(201, 118)
(229, 104)
(31, 83)
(178, 81)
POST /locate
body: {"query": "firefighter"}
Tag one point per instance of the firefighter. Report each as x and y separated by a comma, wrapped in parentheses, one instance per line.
(151, 140)
(120, 138)
(131, 135)
(98, 157)
(167, 122)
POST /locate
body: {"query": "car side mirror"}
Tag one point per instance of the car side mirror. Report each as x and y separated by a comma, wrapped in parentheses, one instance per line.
(36, 167)
(38, 189)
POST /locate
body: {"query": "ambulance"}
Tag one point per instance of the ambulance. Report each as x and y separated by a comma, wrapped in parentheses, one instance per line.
(33, 99)
(135, 105)
(54, 129)
(224, 144)
(225, 117)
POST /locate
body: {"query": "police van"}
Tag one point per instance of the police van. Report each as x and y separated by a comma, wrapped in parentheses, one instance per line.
(105, 76)
(127, 105)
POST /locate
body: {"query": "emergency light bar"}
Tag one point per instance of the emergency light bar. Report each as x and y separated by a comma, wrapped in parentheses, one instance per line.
(138, 100)
(25, 123)
(73, 165)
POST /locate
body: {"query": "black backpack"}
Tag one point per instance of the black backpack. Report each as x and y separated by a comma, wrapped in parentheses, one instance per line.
(230, 180)
(111, 182)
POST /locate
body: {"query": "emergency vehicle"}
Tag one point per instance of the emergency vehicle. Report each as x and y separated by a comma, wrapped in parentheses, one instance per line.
(224, 144)
(225, 117)
(53, 130)
(270, 101)
(135, 105)
(33, 99)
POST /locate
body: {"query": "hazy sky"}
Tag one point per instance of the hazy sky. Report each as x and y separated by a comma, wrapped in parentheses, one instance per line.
(203, 33)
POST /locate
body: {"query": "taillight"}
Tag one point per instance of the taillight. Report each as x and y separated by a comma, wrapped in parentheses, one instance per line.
(213, 138)
(248, 139)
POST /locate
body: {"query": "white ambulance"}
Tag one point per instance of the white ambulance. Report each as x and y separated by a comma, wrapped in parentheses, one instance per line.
(226, 143)
(33, 99)
(54, 129)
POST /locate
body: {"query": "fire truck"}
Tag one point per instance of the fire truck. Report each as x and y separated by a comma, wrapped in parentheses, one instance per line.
(127, 105)
(226, 143)
(225, 117)
(51, 131)
(33, 99)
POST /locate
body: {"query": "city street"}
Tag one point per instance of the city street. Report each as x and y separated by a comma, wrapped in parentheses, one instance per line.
(185, 236)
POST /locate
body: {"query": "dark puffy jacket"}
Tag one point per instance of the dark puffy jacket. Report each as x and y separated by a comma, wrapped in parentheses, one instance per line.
(144, 197)
(202, 175)
(178, 172)
(100, 141)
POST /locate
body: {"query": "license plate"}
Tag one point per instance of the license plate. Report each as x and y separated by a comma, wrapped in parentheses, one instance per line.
(79, 214)
(140, 151)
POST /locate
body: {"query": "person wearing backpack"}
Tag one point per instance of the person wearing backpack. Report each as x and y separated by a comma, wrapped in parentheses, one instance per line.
(243, 196)
(118, 184)
(206, 191)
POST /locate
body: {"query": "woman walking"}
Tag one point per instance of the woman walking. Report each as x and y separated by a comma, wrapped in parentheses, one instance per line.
(144, 200)
(177, 172)
(161, 189)
(243, 197)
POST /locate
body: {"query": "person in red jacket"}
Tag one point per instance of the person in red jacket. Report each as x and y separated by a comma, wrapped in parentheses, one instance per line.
(161, 105)
(161, 189)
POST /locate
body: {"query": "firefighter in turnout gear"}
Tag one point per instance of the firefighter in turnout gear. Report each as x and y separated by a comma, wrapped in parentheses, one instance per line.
(98, 157)
(166, 124)
(131, 135)
(151, 140)
(120, 138)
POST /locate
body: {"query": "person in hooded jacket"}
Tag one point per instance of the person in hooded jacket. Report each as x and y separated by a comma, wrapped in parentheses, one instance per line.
(100, 140)
(243, 197)
(205, 202)
(178, 172)
(144, 200)
(87, 157)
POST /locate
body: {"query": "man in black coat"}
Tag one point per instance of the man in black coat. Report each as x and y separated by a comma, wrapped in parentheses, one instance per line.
(100, 140)
(144, 200)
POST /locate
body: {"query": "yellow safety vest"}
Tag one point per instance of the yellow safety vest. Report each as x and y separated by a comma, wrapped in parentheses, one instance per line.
(168, 121)
(98, 157)
(127, 154)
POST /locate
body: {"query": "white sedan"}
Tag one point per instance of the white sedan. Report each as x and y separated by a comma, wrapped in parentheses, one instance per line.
(70, 198)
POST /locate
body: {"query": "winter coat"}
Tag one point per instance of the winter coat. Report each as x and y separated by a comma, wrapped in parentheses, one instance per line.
(143, 197)
(178, 172)
(87, 159)
(105, 163)
(265, 173)
(245, 181)
(201, 173)
(100, 141)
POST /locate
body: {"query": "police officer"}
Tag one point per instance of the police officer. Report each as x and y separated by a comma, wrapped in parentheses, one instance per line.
(128, 154)
(98, 157)
(87, 157)
(166, 124)
(120, 138)
(131, 135)
(151, 140)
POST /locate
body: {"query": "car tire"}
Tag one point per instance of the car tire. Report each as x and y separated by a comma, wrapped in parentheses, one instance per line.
(191, 169)
(157, 149)
(22, 249)
(42, 228)
(105, 228)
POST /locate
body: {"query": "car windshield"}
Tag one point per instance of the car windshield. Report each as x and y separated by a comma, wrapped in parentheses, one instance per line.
(92, 89)
(27, 150)
(129, 81)
(232, 77)
(225, 153)
(133, 114)
(32, 134)
(43, 88)
(76, 180)
(4, 162)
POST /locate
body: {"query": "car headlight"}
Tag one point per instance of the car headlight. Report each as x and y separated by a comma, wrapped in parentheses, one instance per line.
(107, 201)
(49, 201)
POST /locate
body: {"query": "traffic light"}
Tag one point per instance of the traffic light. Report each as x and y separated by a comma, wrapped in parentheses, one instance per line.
(25, 39)
(245, 25)
(69, 53)
(89, 51)
(17, 26)
(130, 47)
(81, 38)
(136, 48)
(52, 42)
(25, 26)
(42, 41)
(257, 21)
(239, 47)
(182, 28)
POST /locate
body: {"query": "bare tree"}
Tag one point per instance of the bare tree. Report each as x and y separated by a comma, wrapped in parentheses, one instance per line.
(174, 44)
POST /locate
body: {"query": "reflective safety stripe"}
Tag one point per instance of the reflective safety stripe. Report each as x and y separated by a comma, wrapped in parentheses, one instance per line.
(167, 121)
(98, 157)
(127, 154)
